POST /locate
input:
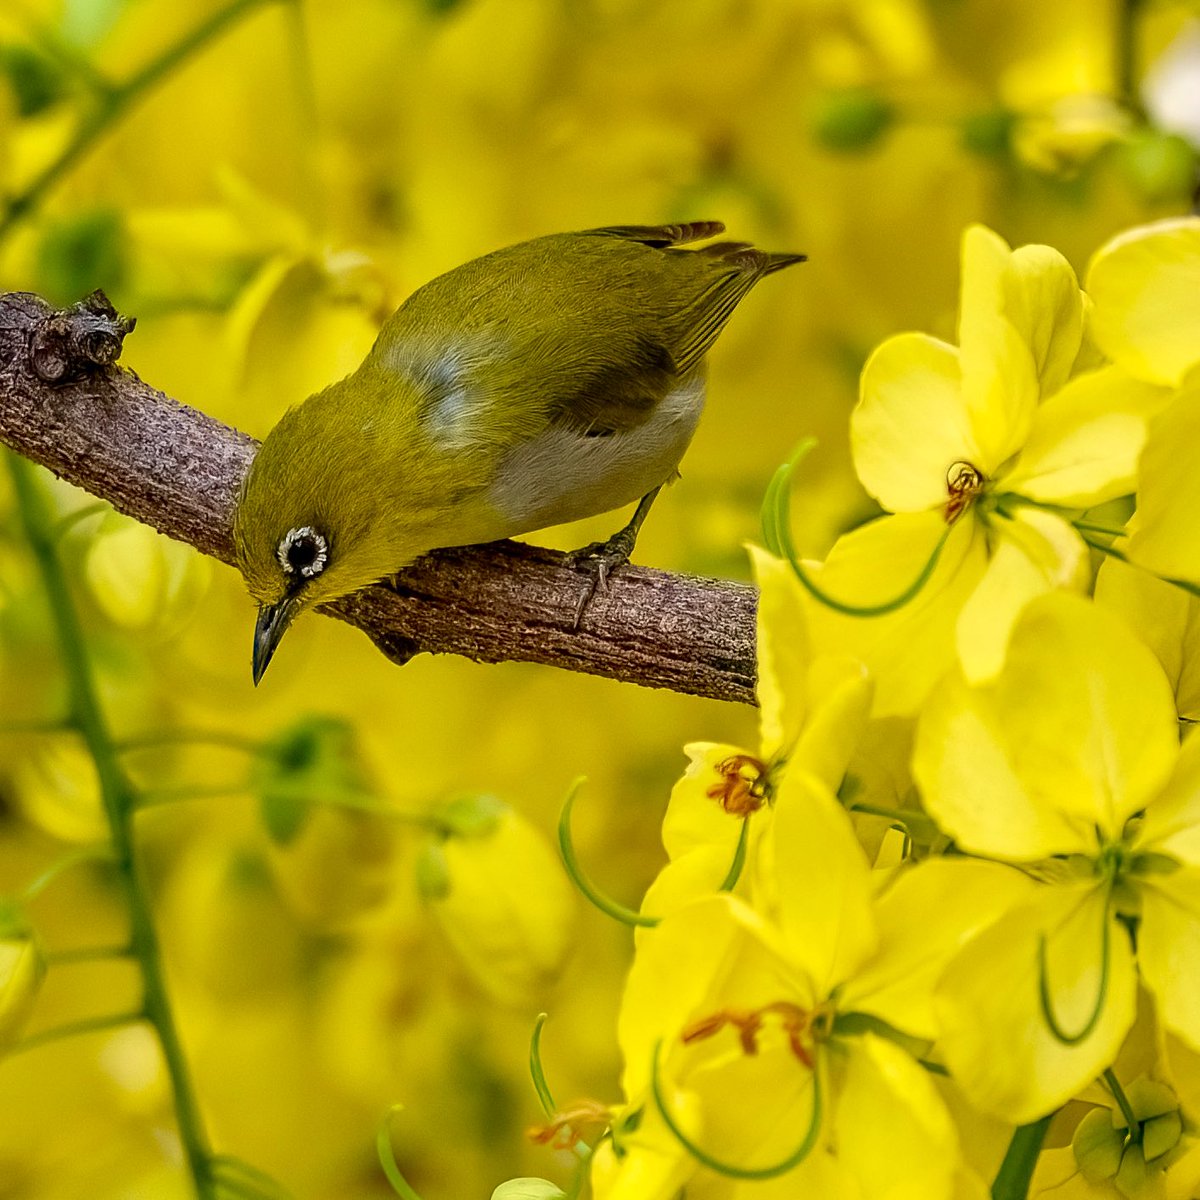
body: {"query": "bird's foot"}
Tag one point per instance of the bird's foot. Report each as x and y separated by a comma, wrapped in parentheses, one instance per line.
(600, 560)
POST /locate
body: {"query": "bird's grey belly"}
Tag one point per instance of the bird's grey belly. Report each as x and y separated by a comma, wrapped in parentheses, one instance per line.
(563, 475)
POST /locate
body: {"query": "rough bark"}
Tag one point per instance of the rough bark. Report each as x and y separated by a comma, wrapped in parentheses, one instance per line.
(65, 404)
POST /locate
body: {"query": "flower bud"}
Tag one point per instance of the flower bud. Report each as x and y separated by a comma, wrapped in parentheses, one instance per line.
(332, 862)
(507, 909)
(22, 969)
(528, 1189)
(852, 119)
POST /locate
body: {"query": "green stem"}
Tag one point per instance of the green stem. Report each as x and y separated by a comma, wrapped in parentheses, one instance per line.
(76, 1029)
(536, 1071)
(355, 801)
(119, 800)
(1118, 1092)
(387, 1157)
(1012, 1180)
(39, 883)
(1126, 54)
(114, 103)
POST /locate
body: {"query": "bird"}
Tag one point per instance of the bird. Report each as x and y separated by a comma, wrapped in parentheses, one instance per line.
(545, 382)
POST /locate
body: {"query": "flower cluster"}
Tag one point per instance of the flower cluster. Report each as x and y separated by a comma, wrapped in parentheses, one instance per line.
(955, 891)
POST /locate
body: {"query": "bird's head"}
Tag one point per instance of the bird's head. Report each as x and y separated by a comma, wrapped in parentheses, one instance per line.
(309, 526)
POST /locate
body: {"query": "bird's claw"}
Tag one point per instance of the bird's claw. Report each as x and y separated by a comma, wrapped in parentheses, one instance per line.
(600, 560)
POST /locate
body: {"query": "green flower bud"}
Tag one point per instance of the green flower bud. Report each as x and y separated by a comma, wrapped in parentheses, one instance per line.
(331, 861)
(989, 133)
(37, 82)
(1161, 166)
(852, 119)
(314, 757)
(528, 1189)
(1098, 1146)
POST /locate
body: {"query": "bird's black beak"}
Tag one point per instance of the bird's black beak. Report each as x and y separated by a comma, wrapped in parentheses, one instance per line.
(272, 623)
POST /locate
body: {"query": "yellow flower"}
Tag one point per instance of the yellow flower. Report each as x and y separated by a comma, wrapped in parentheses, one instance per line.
(1144, 285)
(767, 1050)
(22, 969)
(503, 901)
(1068, 762)
(1166, 618)
(984, 454)
(812, 708)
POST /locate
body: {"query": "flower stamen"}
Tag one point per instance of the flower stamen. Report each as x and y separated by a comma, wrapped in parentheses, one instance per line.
(743, 787)
(964, 482)
(566, 1128)
(804, 1027)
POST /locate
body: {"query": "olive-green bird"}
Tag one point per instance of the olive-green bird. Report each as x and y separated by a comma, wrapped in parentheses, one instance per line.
(546, 382)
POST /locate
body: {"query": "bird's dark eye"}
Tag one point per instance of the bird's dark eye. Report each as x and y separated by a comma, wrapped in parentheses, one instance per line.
(303, 552)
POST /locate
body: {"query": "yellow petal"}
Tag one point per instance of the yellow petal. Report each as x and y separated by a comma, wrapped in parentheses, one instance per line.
(22, 969)
(1167, 540)
(653, 1164)
(892, 1129)
(909, 650)
(910, 424)
(1042, 299)
(693, 818)
(1166, 618)
(995, 1039)
(1172, 821)
(924, 917)
(784, 652)
(1169, 949)
(999, 375)
(1144, 284)
(1085, 441)
(711, 955)
(509, 913)
(690, 877)
(822, 882)
(841, 692)
(1035, 552)
(1077, 731)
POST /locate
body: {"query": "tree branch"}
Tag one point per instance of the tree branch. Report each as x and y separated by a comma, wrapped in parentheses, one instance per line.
(64, 404)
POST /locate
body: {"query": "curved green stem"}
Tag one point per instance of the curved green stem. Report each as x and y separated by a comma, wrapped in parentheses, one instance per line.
(1118, 1093)
(387, 1157)
(739, 857)
(240, 1177)
(114, 100)
(777, 531)
(76, 1029)
(732, 1170)
(537, 1072)
(119, 801)
(566, 848)
(37, 885)
(1046, 999)
(67, 523)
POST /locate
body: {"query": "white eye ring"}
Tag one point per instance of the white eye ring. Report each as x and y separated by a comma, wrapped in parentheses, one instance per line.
(318, 545)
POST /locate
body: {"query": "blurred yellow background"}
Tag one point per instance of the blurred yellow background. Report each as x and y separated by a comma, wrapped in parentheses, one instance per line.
(260, 209)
